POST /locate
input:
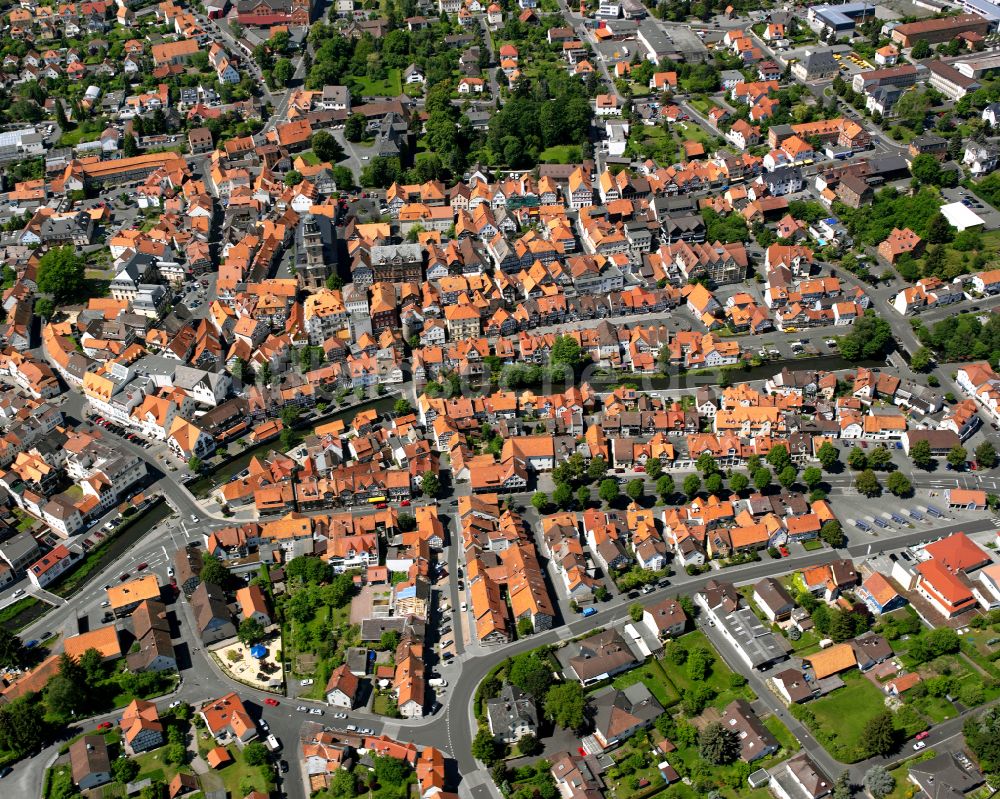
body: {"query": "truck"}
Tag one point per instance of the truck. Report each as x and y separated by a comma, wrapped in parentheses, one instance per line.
(438, 682)
(589, 611)
(272, 743)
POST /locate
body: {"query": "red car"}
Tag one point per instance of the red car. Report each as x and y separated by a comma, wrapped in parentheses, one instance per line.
(141, 566)
(105, 725)
(580, 749)
(405, 503)
(381, 506)
(271, 702)
(921, 735)
(783, 551)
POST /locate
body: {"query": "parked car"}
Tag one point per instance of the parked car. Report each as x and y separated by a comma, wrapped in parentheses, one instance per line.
(315, 711)
(271, 702)
(919, 745)
(105, 725)
(921, 735)
(589, 611)
(302, 709)
(123, 577)
(305, 683)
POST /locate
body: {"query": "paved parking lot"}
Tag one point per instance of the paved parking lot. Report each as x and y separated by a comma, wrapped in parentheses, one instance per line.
(989, 214)
(898, 515)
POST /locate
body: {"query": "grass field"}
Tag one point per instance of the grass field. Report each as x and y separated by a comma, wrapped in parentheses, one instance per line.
(652, 675)
(842, 715)
(719, 678)
(782, 734)
(560, 154)
(391, 86)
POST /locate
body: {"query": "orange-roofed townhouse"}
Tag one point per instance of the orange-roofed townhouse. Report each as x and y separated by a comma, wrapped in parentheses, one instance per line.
(188, 440)
(228, 721)
(580, 189)
(606, 105)
(141, 727)
(948, 593)
(50, 566)
(987, 282)
(253, 604)
(342, 688)
(980, 382)
(898, 243)
(880, 595)
(986, 588)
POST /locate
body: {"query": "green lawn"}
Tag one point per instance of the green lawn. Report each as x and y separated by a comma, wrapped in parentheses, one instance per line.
(718, 679)
(560, 154)
(838, 720)
(310, 158)
(781, 733)
(692, 131)
(391, 86)
(152, 766)
(701, 104)
(904, 788)
(811, 546)
(652, 675)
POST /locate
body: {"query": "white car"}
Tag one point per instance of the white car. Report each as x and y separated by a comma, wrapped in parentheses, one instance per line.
(18, 592)
(305, 683)
(175, 703)
(340, 715)
(315, 711)
(302, 709)
(919, 745)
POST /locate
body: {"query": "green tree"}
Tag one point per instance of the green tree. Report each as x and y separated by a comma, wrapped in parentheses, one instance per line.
(812, 477)
(212, 571)
(842, 787)
(601, 594)
(402, 407)
(583, 496)
(706, 463)
(343, 784)
(22, 726)
(251, 631)
(713, 483)
(665, 486)
(654, 468)
(922, 359)
(608, 491)
(430, 484)
(282, 72)
(390, 770)
(880, 458)
(778, 457)
(635, 489)
(44, 308)
(921, 455)
(597, 469)
(255, 753)
(566, 350)
(692, 485)
(857, 459)
(635, 610)
(565, 704)
(130, 147)
(354, 127)
(389, 641)
(529, 745)
(986, 455)
(832, 533)
(869, 337)
(879, 734)
(525, 627)
(738, 482)
(531, 674)
(921, 49)
(194, 464)
(787, 476)
(61, 274)
(898, 484)
(867, 483)
(293, 177)
(828, 456)
(762, 478)
(877, 780)
(12, 653)
(957, 456)
(539, 500)
(485, 748)
(124, 769)
(326, 147)
(718, 745)
(563, 496)
(92, 664)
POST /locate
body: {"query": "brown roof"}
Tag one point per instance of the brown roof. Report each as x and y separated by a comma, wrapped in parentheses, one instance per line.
(88, 755)
(601, 654)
